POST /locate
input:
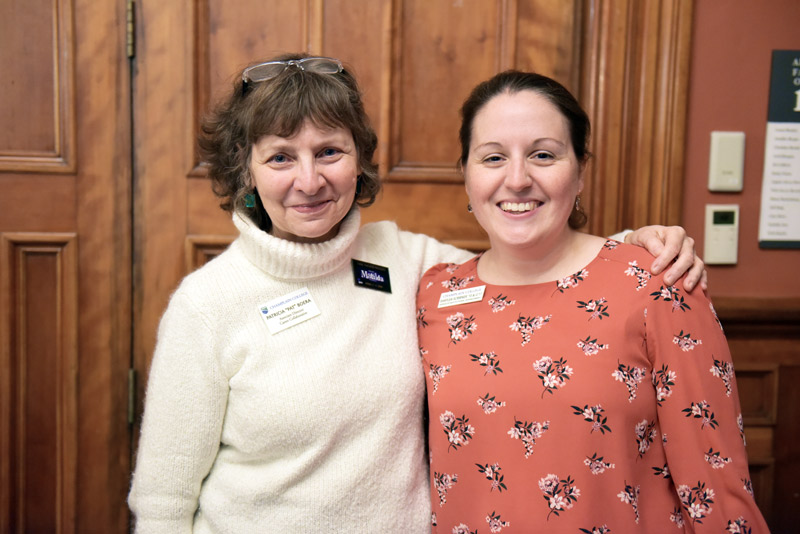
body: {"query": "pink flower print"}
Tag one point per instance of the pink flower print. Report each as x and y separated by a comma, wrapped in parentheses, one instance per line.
(437, 372)
(443, 482)
(422, 352)
(748, 486)
(677, 517)
(663, 380)
(421, 323)
(724, 371)
(526, 326)
(571, 281)
(428, 285)
(610, 244)
(702, 410)
(662, 472)
(597, 530)
(671, 294)
(457, 429)
(492, 473)
(740, 425)
(460, 327)
(454, 283)
(560, 494)
(590, 347)
(645, 435)
(714, 312)
(500, 303)
(630, 495)
(716, 460)
(685, 341)
(553, 374)
(739, 526)
(631, 377)
(451, 268)
(597, 308)
(597, 465)
(489, 404)
(528, 433)
(461, 528)
(642, 276)
(496, 524)
(696, 501)
(433, 519)
(593, 414)
(488, 360)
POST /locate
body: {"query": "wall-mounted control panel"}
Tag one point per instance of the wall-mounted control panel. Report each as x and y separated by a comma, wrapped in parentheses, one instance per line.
(722, 234)
(726, 161)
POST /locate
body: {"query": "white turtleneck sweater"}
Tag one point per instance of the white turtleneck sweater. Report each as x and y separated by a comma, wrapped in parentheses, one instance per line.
(316, 428)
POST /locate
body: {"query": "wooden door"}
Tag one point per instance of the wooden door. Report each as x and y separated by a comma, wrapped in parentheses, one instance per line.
(416, 60)
(65, 266)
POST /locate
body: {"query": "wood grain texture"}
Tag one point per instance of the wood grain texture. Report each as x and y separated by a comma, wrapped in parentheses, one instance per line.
(39, 396)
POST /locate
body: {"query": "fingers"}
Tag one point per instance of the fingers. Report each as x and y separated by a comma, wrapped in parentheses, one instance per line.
(675, 244)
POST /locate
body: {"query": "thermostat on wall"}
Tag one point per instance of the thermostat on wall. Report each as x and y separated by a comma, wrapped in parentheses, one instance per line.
(722, 234)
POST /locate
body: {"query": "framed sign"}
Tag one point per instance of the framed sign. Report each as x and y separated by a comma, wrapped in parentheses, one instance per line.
(779, 223)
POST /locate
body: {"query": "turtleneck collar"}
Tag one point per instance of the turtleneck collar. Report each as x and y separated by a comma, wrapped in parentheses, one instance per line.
(288, 260)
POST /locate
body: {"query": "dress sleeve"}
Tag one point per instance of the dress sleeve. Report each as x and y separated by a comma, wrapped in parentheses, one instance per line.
(184, 410)
(698, 411)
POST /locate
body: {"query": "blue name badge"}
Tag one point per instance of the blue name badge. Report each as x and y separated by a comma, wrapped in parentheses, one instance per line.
(371, 276)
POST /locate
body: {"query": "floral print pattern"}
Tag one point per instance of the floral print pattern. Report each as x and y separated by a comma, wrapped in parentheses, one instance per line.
(560, 495)
(723, 371)
(569, 393)
(500, 303)
(642, 276)
(553, 374)
(457, 429)
(526, 326)
(528, 433)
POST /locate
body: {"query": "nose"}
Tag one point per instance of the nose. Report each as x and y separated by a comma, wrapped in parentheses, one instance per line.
(518, 177)
(308, 179)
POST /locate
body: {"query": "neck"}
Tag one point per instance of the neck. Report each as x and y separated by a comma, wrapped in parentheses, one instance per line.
(564, 255)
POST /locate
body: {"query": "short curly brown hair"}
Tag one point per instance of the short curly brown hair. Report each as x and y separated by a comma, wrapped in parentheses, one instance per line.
(279, 106)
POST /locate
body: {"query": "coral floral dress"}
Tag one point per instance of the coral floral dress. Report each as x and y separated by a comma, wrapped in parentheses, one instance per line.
(601, 403)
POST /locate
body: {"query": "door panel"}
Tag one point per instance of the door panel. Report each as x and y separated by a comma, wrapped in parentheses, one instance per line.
(64, 266)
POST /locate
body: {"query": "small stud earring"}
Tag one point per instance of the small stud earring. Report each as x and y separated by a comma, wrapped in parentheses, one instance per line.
(469, 208)
(249, 200)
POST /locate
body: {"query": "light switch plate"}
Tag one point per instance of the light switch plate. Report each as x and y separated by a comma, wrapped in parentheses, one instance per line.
(726, 161)
(722, 234)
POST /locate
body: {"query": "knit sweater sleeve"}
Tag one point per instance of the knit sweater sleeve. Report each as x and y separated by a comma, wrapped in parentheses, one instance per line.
(430, 251)
(185, 406)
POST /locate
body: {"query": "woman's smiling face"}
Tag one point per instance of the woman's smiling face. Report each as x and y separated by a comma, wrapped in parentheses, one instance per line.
(522, 175)
(306, 182)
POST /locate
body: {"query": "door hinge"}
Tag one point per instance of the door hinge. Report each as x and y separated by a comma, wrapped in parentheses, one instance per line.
(131, 396)
(130, 28)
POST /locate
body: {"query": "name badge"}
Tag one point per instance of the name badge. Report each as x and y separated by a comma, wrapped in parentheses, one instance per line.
(371, 276)
(461, 296)
(288, 310)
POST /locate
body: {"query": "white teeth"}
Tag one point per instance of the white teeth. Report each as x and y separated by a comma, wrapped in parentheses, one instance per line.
(516, 206)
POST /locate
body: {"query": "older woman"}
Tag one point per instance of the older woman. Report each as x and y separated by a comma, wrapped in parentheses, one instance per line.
(285, 393)
(569, 388)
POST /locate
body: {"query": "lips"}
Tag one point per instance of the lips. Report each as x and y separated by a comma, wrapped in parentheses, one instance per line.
(518, 207)
(311, 207)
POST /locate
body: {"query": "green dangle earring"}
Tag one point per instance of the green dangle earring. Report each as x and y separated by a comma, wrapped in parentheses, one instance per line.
(249, 200)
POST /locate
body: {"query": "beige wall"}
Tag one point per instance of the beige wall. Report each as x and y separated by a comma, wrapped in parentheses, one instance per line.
(729, 86)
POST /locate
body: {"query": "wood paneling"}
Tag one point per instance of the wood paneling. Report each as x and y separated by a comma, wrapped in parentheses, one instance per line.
(634, 80)
(39, 135)
(38, 387)
(764, 338)
(65, 216)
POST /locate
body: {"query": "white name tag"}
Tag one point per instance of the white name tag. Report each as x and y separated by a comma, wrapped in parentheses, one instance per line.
(288, 310)
(461, 296)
